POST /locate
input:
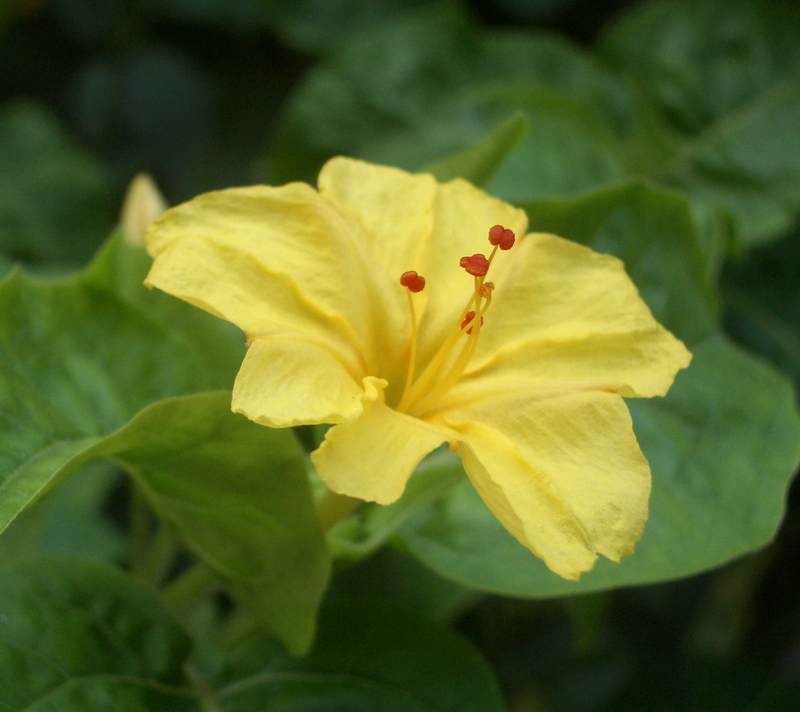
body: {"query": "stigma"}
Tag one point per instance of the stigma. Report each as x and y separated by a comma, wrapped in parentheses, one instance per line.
(454, 354)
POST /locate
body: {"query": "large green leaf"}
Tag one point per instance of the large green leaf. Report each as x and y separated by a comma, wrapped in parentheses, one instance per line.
(238, 495)
(374, 96)
(762, 302)
(70, 520)
(725, 77)
(722, 446)
(392, 575)
(77, 636)
(413, 91)
(569, 149)
(82, 636)
(81, 357)
(478, 163)
(77, 364)
(121, 268)
(369, 657)
(86, 374)
(320, 25)
(49, 188)
(715, 118)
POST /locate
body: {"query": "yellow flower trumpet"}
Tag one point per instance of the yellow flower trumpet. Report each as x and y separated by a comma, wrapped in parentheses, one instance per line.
(366, 305)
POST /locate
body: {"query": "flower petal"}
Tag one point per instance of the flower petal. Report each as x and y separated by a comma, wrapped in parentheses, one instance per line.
(270, 258)
(392, 208)
(373, 453)
(562, 471)
(565, 313)
(287, 381)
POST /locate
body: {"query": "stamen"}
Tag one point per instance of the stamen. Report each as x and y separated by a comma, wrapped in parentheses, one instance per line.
(449, 362)
(415, 283)
(501, 237)
(477, 265)
(467, 319)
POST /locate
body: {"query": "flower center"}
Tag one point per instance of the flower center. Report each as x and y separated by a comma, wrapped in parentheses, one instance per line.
(453, 356)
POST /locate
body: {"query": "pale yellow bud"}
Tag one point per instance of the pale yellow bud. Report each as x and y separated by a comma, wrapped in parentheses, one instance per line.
(143, 203)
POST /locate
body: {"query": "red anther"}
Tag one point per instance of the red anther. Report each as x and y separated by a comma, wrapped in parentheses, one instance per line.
(501, 237)
(477, 265)
(413, 281)
(485, 289)
(468, 317)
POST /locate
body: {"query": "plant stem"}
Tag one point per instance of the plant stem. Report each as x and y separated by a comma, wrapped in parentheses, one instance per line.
(332, 508)
(157, 560)
(193, 584)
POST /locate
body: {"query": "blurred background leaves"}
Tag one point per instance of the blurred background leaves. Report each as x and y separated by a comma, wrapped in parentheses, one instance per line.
(666, 119)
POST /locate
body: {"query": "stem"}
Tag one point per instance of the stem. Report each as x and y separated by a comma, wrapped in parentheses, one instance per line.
(194, 583)
(333, 507)
(158, 559)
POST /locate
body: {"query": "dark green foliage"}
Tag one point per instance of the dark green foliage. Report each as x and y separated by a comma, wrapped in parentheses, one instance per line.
(664, 132)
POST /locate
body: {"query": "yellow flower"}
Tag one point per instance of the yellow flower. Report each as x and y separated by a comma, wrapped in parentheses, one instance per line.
(528, 389)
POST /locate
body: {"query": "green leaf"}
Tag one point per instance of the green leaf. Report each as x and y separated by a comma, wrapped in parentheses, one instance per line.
(725, 77)
(371, 657)
(85, 374)
(652, 232)
(569, 149)
(49, 189)
(703, 97)
(70, 520)
(374, 97)
(393, 576)
(81, 636)
(77, 364)
(238, 495)
(79, 361)
(718, 492)
(121, 268)
(762, 303)
(479, 162)
(320, 25)
(414, 91)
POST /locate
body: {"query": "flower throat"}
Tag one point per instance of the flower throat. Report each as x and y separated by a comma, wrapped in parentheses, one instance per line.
(453, 356)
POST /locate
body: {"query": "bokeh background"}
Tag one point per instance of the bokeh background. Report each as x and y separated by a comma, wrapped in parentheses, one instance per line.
(206, 94)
